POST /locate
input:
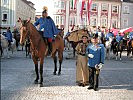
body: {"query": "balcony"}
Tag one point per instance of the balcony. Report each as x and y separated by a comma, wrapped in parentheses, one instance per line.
(94, 9)
(4, 20)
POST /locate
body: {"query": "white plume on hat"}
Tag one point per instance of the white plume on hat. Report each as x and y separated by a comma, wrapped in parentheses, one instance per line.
(45, 8)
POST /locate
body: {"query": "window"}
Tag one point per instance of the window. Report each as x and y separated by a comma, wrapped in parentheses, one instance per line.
(104, 7)
(57, 20)
(62, 5)
(126, 9)
(104, 22)
(114, 9)
(5, 2)
(71, 21)
(114, 23)
(125, 22)
(4, 16)
(85, 5)
(94, 7)
(62, 20)
(57, 4)
(84, 21)
(93, 21)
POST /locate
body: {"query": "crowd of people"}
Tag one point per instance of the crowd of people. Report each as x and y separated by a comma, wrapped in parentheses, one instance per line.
(90, 57)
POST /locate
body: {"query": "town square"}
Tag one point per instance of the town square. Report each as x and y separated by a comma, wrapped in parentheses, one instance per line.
(66, 49)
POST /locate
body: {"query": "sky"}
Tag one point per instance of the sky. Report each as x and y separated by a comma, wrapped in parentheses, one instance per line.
(40, 3)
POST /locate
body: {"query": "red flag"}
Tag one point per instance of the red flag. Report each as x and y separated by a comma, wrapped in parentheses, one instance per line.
(89, 6)
(75, 2)
(73, 24)
(82, 7)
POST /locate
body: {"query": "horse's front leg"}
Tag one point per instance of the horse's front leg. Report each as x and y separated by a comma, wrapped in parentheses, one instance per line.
(60, 61)
(109, 54)
(37, 74)
(120, 55)
(116, 56)
(36, 70)
(55, 64)
(74, 52)
(26, 50)
(132, 51)
(41, 72)
(41, 75)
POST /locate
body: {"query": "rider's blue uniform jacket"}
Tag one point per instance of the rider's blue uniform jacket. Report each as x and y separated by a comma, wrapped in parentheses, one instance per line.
(49, 27)
(130, 35)
(119, 38)
(8, 36)
(98, 54)
(109, 35)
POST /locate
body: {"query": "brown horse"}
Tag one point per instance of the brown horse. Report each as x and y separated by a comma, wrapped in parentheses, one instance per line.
(130, 47)
(39, 48)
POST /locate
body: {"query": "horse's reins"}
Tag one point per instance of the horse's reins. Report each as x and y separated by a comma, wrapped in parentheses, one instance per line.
(30, 36)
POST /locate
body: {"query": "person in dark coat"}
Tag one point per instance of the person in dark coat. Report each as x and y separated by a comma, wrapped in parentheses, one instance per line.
(95, 52)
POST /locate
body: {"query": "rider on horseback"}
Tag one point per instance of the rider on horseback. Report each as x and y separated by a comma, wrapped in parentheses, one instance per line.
(108, 35)
(8, 36)
(130, 37)
(47, 28)
(119, 38)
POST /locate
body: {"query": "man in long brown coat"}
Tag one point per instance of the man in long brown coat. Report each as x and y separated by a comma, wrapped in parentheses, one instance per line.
(82, 69)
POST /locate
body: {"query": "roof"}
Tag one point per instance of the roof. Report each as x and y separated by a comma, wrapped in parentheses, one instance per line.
(108, 0)
(28, 3)
(128, 1)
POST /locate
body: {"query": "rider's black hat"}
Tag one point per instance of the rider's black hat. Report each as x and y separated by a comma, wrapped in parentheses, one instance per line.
(85, 36)
(94, 35)
(45, 11)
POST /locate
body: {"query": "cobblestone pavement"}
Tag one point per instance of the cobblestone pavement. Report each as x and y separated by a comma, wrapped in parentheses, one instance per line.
(17, 76)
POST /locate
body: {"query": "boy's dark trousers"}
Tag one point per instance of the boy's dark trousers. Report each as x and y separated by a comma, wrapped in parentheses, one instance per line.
(93, 77)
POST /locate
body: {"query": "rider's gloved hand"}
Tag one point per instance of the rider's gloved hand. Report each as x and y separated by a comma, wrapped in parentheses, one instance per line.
(100, 65)
(42, 29)
(55, 36)
(90, 55)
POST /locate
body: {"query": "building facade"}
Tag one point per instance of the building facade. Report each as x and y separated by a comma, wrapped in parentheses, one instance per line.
(59, 12)
(104, 13)
(11, 10)
(127, 14)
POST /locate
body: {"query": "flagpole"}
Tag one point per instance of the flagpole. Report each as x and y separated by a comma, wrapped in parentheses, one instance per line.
(67, 18)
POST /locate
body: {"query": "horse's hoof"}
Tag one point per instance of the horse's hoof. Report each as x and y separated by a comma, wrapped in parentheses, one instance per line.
(54, 73)
(35, 82)
(120, 59)
(41, 85)
(59, 73)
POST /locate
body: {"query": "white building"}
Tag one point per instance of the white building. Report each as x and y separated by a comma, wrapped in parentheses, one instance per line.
(127, 14)
(104, 13)
(11, 10)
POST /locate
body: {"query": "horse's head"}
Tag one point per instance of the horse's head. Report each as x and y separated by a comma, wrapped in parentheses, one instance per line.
(24, 31)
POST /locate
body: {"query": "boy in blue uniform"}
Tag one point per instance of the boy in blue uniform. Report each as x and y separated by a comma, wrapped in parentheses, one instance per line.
(95, 52)
(47, 28)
